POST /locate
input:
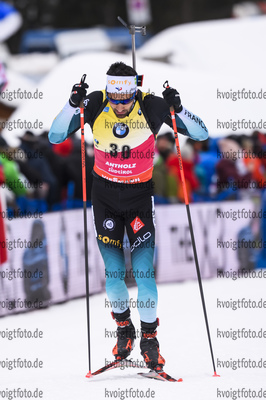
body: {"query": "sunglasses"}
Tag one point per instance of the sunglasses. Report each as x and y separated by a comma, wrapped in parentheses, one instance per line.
(125, 101)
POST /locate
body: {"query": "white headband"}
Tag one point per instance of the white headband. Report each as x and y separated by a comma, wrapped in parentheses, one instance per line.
(121, 84)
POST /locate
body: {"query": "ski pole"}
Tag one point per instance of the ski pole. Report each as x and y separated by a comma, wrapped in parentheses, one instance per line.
(172, 111)
(84, 191)
(132, 30)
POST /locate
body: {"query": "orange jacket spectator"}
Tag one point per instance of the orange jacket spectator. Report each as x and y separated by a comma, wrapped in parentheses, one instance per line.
(191, 179)
(254, 164)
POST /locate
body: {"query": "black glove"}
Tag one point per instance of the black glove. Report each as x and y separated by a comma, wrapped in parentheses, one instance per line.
(172, 98)
(77, 94)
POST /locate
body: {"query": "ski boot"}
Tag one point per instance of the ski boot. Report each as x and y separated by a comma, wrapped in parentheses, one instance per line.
(126, 335)
(149, 346)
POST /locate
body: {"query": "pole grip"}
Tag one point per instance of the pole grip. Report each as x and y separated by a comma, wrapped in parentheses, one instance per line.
(83, 78)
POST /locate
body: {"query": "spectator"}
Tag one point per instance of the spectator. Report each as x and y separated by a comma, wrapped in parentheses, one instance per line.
(259, 145)
(73, 169)
(167, 177)
(231, 170)
(165, 185)
(13, 178)
(37, 168)
(253, 163)
(191, 180)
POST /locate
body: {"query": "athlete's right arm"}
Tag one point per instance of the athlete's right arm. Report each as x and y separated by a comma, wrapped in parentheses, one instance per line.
(68, 120)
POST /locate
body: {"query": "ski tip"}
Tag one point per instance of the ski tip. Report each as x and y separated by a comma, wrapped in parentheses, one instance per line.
(162, 376)
(215, 375)
(89, 375)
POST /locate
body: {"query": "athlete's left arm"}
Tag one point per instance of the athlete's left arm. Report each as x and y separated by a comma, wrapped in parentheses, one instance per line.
(187, 122)
(194, 126)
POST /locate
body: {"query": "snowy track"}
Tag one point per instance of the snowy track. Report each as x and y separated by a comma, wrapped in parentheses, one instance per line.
(183, 343)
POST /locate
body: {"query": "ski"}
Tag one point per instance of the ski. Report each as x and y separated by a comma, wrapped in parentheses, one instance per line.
(112, 365)
(161, 376)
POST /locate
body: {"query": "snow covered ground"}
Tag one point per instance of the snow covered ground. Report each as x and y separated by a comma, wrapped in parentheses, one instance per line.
(183, 340)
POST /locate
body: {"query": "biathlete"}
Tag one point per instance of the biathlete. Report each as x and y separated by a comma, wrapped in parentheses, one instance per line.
(125, 123)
